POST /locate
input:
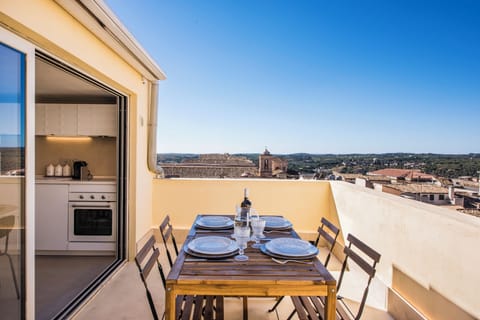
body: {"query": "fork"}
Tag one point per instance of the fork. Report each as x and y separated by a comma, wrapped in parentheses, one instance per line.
(276, 231)
(286, 261)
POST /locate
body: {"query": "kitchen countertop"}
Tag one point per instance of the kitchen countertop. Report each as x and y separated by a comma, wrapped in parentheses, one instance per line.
(69, 180)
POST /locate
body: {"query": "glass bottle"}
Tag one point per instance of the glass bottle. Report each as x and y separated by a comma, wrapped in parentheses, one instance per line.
(245, 205)
(242, 218)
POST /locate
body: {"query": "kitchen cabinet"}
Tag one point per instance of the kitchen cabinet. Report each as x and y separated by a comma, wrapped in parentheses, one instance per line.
(40, 119)
(56, 119)
(51, 217)
(76, 119)
(97, 120)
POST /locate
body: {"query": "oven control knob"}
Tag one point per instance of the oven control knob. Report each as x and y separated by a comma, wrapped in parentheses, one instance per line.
(103, 198)
(92, 197)
(81, 197)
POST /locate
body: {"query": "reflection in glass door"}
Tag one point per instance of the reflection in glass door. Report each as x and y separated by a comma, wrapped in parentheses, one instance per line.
(12, 182)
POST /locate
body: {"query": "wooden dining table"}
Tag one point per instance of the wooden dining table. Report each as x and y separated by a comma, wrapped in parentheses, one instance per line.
(259, 276)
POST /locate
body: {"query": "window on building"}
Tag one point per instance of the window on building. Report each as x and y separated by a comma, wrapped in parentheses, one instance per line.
(441, 197)
(432, 197)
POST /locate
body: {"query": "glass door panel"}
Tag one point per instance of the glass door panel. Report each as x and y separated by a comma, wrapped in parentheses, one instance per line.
(12, 182)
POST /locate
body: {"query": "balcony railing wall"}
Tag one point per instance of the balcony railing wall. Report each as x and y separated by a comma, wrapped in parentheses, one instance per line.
(429, 254)
(303, 203)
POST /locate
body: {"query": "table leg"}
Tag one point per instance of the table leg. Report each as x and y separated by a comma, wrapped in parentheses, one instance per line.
(245, 308)
(330, 309)
(169, 303)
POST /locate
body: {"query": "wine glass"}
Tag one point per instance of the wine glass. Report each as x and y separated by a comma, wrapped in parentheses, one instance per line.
(258, 224)
(242, 236)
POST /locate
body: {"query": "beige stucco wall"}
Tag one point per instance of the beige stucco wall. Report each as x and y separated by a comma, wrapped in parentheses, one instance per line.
(302, 202)
(58, 34)
(436, 248)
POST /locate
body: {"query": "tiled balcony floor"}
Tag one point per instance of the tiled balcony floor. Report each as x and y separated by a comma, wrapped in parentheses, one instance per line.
(123, 297)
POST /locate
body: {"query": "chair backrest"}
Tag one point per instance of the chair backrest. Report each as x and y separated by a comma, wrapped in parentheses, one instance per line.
(354, 246)
(166, 230)
(145, 260)
(6, 226)
(329, 232)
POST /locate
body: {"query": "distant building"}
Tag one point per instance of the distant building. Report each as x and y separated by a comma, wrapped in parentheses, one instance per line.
(211, 166)
(467, 184)
(408, 175)
(271, 167)
(421, 192)
(363, 180)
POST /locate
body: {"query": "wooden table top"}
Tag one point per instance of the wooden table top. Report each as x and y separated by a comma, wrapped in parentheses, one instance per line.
(259, 271)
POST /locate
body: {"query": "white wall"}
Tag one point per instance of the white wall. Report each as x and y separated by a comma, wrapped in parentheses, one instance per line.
(436, 247)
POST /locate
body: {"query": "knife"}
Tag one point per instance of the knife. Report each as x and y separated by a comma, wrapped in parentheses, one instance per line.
(207, 260)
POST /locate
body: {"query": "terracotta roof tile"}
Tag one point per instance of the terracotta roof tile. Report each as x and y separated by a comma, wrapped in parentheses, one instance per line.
(418, 188)
(411, 174)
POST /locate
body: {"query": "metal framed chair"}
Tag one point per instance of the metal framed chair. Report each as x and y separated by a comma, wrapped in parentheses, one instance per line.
(166, 230)
(6, 226)
(313, 307)
(327, 231)
(186, 306)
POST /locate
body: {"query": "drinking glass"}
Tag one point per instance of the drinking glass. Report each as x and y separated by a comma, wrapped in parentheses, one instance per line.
(258, 224)
(237, 221)
(240, 220)
(242, 235)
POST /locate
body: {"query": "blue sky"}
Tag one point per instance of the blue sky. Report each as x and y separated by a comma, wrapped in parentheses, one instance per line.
(313, 76)
(11, 97)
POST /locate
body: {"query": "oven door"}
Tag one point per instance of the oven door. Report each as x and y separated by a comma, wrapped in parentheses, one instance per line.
(92, 222)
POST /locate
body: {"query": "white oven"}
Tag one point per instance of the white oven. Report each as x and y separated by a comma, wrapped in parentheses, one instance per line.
(92, 217)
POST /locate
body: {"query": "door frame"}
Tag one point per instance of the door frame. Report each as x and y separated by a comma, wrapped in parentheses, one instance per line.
(27, 276)
(122, 178)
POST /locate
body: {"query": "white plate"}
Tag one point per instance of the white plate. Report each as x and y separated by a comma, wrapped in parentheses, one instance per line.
(271, 254)
(212, 245)
(276, 222)
(291, 247)
(214, 222)
(210, 256)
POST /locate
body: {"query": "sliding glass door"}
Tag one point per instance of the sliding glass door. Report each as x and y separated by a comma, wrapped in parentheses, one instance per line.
(12, 183)
(16, 177)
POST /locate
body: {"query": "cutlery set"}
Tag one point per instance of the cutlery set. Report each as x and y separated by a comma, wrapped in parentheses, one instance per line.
(207, 247)
(207, 260)
(229, 260)
(287, 261)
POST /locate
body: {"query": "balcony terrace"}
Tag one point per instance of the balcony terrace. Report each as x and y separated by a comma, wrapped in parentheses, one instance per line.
(429, 264)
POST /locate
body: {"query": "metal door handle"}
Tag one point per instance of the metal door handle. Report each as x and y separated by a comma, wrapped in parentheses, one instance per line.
(90, 206)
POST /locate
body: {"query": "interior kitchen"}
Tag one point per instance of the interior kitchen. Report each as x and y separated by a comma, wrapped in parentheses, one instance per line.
(77, 156)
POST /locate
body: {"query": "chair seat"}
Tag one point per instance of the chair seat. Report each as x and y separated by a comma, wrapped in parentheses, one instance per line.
(327, 232)
(201, 307)
(309, 308)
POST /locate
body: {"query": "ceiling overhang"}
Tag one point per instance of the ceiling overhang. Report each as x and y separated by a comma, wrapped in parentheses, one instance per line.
(101, 21)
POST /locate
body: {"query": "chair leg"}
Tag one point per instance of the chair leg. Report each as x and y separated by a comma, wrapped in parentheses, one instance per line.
(291, 315)
(13, 275)
(276, 304)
